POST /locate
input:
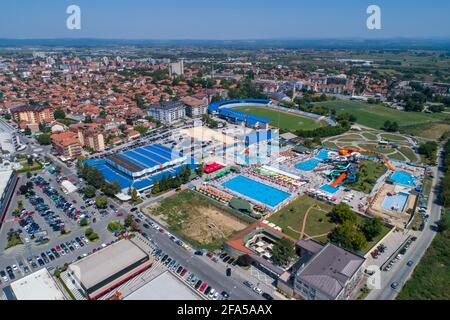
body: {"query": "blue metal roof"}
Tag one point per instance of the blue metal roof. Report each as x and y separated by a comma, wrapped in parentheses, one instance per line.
(242, 116)
(215, 106)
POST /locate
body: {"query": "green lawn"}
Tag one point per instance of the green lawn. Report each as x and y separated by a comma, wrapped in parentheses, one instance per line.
(393, 137)
(284, 121)
(290, 219)
(293, 214)
(368, 174)
(396, 156)
(408, 153)
(431, 278)
(370, 136)
(374, 115)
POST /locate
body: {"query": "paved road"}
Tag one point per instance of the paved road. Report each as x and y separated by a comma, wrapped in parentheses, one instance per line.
(401, 272)
(203, 267)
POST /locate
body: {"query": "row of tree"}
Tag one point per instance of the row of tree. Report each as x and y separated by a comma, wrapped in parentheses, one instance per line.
(96, 181)
(167, 182)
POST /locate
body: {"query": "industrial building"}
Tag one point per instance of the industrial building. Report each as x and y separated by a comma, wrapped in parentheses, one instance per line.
(140, 167)
(166, 286)
(104, 270)
(8, 181)
(39, 285)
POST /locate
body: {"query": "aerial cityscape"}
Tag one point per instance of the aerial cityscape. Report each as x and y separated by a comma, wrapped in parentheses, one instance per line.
(231, 162)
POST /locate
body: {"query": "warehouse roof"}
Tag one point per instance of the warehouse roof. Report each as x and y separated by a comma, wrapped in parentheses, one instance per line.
(164, 287)
(37, 286)
(107, 262)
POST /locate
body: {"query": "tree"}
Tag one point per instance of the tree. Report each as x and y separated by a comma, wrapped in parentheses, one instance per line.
(101, 202)
(347, 236)
(30, 160)
(342, 213)
(283, 251)
(44, 139)
(444, 223)
(244, 260)
(59, 114)
(428, 149)
(372, 228)
(84, 222)
(134, 195)
(111, 189)
(141, 129)
(87, 119)
(27, 131)
(128, 220)
(90, 191)
(155, 189)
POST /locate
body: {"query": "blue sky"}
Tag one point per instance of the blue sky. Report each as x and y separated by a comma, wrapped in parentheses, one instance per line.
(224, 19)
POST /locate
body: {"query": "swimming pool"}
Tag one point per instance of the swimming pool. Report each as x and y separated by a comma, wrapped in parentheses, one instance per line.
(396, 202)
(308, 165)
(329, 189)
(403, 178)
(322, 155)
(255, 190)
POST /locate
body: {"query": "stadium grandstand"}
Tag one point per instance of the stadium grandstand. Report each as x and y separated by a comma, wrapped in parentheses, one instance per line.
(224, 109)
(140, 167)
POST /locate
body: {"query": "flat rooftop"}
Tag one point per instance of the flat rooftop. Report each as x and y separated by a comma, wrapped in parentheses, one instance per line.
(37, 286)
(166, 286)
(107, 262)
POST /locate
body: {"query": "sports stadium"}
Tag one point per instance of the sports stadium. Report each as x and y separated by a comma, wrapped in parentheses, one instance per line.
(140, 167)
(227, 110)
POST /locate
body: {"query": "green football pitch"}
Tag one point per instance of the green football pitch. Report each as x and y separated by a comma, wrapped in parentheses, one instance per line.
(283, 120)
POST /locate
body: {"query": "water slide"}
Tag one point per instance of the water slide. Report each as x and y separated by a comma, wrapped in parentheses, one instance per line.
(339, 180)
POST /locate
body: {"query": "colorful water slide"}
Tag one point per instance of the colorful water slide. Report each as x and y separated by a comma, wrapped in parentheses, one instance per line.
(339, 180)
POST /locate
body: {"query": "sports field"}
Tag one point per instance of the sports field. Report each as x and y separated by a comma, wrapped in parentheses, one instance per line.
(374, 115)
(282, 120)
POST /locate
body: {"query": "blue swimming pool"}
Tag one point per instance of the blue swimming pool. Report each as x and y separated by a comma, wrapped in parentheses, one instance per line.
(259, 191)
(403, 178)
(308, 165)
(396, 202)
(322, 155)
(329, 189)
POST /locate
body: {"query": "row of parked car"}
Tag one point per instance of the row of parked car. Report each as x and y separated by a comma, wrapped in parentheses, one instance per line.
(189, 277)
(400, 255)
(52, 219)
(44, 258)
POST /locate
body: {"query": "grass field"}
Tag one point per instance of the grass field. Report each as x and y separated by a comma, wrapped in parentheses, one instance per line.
(197, 219)
(290, 219)
(397, 156)
(284, 121)
(428, 130)
(408, 153)
(374, 115)
(368, 175)
(431, 278)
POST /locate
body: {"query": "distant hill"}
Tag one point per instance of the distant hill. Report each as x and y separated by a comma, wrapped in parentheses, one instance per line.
(391, 44)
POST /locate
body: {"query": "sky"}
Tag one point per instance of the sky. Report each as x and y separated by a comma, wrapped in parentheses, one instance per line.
(224, 19)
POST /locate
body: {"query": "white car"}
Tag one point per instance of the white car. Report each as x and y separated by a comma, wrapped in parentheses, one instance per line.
(103, 245)
(216, 296)
(14, 267)
(5, 278)
(257, 290)
(211, 294)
